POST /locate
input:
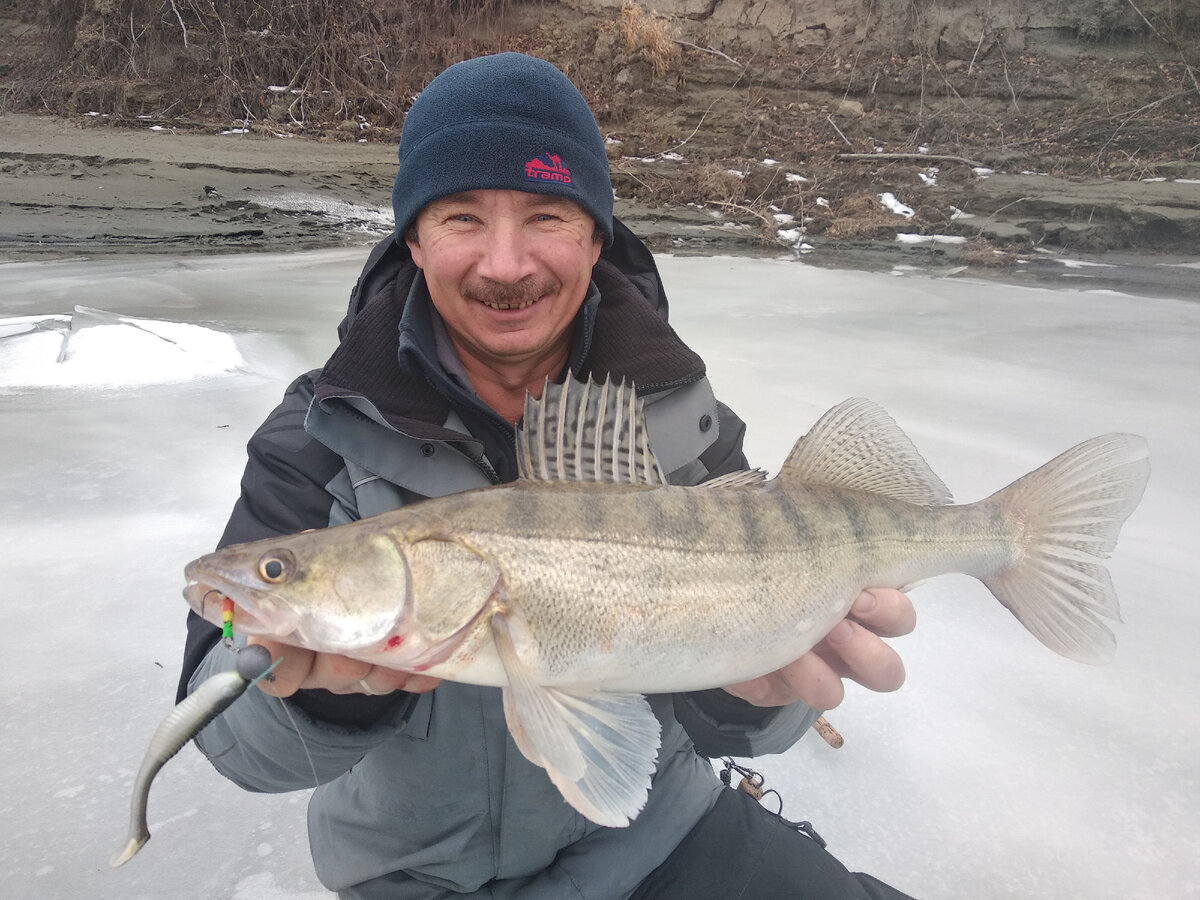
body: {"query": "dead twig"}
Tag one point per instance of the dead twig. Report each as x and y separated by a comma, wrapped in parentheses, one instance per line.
(829, 119)
(1129, 118)
(712, 51)
(767, 220)
(931, 157)
(1173, 43)
(694, 130)
(182, 27)
(997, 212)
(1008, 81)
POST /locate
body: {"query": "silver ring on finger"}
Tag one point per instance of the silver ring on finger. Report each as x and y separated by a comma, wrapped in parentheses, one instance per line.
(367, 689)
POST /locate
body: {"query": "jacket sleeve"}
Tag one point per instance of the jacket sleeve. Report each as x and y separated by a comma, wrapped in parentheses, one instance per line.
(261, 742)
(719, 723)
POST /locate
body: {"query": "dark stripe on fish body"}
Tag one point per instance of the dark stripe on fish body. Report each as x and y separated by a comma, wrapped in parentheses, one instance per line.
(860, 525)
(749, 513)
(523, 512)
(906, 524)
(795, 520)
(593, 512)
(688, 510)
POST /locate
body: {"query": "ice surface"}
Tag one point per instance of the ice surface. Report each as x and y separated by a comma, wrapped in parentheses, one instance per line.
(998, 771)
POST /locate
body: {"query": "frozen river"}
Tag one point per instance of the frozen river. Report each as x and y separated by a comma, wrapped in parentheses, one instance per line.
(999, 770)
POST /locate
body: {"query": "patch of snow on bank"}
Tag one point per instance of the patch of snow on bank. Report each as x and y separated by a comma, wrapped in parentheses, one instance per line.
(95, 348)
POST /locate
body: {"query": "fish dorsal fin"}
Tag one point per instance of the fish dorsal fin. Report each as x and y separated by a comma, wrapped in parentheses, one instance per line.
(857, 446)
(599, 748)
(746, 478)
(586, 432)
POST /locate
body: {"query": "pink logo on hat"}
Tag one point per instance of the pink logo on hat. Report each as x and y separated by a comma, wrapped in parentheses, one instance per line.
(547, 167)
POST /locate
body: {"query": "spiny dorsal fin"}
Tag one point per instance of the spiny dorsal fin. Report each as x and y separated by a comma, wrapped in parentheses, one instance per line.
(857, 446)
(586, 432)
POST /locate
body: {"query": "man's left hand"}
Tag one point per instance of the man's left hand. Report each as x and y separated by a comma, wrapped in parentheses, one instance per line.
(854, 650)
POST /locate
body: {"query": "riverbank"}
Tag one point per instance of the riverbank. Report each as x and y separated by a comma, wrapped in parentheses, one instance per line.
(80, 186)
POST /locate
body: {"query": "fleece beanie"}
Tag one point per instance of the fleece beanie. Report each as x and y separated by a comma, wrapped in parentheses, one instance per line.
(507, 121)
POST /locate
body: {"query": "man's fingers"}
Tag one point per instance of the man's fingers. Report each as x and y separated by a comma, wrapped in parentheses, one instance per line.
(301, 669)
(383, 681)
(853, 652)
(419, 684)
(293, 668)
(886, 612)
(810, 679)
(337, 674)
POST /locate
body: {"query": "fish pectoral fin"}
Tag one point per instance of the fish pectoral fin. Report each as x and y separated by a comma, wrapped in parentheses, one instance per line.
(598, 748)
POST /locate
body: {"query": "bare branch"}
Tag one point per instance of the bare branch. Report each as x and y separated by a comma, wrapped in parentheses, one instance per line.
(926, 157)
(709, 50)
(829, 119)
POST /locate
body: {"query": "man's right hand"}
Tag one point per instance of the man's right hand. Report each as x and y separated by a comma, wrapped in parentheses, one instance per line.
(300, 668)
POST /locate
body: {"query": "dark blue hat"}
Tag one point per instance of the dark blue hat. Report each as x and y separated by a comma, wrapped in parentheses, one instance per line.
(507, 121)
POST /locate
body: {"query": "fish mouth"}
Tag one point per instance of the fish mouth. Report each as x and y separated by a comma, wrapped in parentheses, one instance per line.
(206, 592)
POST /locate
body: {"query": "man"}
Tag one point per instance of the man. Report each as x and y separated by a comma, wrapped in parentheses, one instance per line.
(507, 268)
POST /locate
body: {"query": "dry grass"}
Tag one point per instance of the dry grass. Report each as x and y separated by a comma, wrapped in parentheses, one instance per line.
(335, 59)
(643, 33)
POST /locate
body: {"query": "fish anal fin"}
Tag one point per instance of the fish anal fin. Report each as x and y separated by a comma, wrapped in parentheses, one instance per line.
(857, 446)
(598, 748)
(586, 431)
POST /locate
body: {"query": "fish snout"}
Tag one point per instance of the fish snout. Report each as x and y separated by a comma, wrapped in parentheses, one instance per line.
(205, 600)
(256, 615)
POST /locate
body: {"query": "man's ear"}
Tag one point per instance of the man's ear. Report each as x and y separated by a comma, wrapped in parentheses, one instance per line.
(414, 245)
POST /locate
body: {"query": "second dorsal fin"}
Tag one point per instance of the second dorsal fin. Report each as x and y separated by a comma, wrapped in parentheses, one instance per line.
(857, 446)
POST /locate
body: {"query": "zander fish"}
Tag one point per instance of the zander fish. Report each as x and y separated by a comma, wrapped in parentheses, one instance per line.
(591, 580)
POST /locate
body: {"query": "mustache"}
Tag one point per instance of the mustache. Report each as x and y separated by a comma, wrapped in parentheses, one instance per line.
(528, 289)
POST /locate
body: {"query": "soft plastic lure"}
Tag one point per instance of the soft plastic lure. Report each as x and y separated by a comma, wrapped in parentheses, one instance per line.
(182, 724)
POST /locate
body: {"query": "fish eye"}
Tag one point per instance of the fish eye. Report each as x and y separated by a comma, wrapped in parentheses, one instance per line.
(276, 566)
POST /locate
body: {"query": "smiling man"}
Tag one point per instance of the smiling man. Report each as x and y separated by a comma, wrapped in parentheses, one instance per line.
(506, 271)
(506, 268)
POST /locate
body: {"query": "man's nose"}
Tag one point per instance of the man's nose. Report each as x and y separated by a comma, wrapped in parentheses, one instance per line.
(507, 255)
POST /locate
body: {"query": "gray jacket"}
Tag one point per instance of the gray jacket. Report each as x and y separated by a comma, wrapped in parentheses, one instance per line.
(426, 795)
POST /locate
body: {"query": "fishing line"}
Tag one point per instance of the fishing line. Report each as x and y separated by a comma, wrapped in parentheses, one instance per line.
(303, 744)
(752, 783)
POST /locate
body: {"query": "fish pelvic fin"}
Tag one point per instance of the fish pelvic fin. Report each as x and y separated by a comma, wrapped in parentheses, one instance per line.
(1070, 512)
(857, 446)
(599, 748)
(586, 431)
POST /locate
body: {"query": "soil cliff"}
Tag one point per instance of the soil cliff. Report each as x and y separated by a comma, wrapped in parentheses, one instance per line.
(1001, 124)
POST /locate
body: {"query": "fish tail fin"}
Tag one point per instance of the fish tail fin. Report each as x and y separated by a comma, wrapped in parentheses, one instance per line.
(1070, 512)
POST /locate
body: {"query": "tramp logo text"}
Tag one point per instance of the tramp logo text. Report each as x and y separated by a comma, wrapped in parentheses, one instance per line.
(547, 167)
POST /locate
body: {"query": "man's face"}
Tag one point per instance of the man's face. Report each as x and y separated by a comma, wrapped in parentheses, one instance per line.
(507, 272)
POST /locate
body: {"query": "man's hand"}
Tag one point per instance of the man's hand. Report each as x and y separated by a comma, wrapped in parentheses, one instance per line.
(302, 668)
(853, 649)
